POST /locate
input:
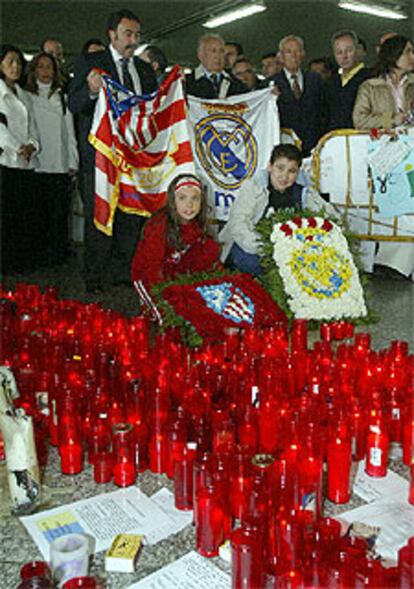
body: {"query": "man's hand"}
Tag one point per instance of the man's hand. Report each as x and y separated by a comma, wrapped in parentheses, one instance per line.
(94, 80)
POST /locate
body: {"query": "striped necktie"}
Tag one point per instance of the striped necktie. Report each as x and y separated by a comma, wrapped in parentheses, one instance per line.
(297, 92)
(126, 76)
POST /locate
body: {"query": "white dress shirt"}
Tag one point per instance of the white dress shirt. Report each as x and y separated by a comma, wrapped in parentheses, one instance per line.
(299, 77)
(117, 57)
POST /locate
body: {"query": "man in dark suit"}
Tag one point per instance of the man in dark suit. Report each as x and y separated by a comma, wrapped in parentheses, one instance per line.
(301, 94)
(119, 62)
(209, 79)
(342, 88)
(244, 71)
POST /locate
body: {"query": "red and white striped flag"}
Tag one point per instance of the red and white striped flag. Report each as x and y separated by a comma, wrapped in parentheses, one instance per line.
(141, 143)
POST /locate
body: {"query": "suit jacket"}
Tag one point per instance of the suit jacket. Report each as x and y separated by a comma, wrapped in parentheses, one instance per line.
(197, 84)
(82, 105)
(304, 115)
(341, 99)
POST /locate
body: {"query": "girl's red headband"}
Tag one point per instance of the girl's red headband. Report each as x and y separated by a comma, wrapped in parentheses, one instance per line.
(187, 181)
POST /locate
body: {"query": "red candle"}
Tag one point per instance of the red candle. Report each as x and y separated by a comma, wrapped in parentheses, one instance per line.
(339, 470)
(299, 335)
(183, 477)
(103, 464)
(377, 451)
(81, 583)
(247, 560)
(408, 442)
(210, 521)
(123, 440)
(411, 490)
(35, 568)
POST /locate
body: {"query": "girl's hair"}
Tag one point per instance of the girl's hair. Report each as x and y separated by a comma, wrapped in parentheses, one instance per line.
(32, 85)
(5, 49)
(173, 231)
(287, 150)
(389, 53)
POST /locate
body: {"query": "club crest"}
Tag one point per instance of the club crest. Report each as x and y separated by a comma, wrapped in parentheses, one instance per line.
(229, 301)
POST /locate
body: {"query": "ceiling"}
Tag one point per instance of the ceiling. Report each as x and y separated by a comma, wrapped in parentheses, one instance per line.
(175, 25)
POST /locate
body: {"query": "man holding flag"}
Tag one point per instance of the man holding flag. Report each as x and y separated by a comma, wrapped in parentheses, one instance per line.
(137, 77)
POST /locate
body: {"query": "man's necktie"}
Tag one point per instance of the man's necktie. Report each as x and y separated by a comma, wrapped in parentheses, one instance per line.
(297, 92)
(126, 76)
(215, 78)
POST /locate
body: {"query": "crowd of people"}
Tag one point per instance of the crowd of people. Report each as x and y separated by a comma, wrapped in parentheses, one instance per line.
(46, 116)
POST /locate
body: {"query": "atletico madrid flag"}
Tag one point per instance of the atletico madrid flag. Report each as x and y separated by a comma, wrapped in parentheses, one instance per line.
(234, 300)
(141, 143)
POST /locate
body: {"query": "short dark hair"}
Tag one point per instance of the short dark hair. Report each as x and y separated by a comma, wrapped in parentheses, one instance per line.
(389, 53)
(89, 42)
(115, 18)
(238, 47)
(287, 150)
(156, 54)
(5, 49)
(267, 55)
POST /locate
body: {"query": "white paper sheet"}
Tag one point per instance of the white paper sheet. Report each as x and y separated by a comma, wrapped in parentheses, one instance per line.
(102, 517)
(395, 517)
(371, 489)
(191, 571)
(176, 519)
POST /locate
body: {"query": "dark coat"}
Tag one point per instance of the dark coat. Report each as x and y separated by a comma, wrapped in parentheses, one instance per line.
(340, 99)
(82, 105)
(304, 115)
(202, 87)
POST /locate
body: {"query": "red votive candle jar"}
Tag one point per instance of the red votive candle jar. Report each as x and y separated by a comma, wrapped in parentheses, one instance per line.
(241, 478)
(326, 332)
(377, 451)
(339, 469)
(69, 435)
(82, 583)
(103, 464)
(247, 560)
(123, 441)
(210, 521)
(184, 477)
(71, 457)
(408, 441)
(35, 568)
(299, 335)
(411, 489)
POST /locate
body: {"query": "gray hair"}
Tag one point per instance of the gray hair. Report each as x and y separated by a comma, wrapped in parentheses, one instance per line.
(209, 37)
(345, 33)
(292, 38)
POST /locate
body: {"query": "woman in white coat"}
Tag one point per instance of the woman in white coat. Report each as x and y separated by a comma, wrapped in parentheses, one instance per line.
(18, 146)
(58, 160)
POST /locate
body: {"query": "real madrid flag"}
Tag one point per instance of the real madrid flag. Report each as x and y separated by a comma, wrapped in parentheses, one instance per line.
(232, 142)
(141, 143)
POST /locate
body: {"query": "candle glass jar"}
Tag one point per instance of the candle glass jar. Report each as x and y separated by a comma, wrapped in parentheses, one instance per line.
(123, 441)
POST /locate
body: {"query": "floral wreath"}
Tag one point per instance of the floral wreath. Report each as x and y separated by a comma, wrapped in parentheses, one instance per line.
(310, 267)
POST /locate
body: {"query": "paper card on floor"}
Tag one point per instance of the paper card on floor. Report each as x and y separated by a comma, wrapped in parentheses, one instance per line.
(191, 571)
(102, 517)
(372, 489)
(177, 519)
(395, 517)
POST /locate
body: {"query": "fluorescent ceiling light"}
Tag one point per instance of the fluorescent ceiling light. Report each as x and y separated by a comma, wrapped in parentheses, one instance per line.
(236, 14)
(373, 9)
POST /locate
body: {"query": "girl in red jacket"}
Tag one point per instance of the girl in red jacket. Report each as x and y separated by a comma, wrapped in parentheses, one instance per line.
(175, 239)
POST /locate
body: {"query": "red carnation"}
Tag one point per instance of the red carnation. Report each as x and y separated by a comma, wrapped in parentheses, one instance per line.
(297, 221)
(327, 225)
(286, 229)
(374, 133)
(312, 222)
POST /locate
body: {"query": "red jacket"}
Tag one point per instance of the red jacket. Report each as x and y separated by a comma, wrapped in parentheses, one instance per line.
(155, 260)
